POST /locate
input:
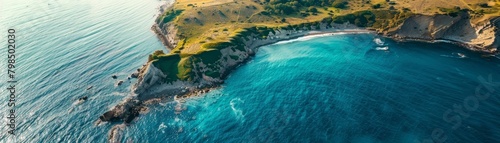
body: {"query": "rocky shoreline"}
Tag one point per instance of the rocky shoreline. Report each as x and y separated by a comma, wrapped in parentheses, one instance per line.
(458, 43)
(156, 29)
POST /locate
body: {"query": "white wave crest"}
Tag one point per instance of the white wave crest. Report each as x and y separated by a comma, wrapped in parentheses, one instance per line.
(239, 113)
(162, 127)
(309, 37)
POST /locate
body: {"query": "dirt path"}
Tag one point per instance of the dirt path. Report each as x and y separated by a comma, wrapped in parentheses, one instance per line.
(465, 3)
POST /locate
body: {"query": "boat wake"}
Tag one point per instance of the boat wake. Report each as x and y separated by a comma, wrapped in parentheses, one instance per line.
(455, 55)
(460, 55)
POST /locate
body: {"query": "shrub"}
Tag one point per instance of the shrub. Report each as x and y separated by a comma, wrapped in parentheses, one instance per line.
(484, 5)
(361, 19)
(170, 15)
(340, 4)
(313, 9)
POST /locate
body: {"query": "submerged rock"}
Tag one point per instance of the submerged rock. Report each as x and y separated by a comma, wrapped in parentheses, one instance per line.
(119, 83)
(134, 75)
(115, 134)
(132, 115)
(110, 116)
(84, 98)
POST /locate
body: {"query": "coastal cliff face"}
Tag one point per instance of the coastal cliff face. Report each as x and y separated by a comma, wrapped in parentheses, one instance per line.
(149, 76)
(166, 34)
(456, 29)
(496, 24)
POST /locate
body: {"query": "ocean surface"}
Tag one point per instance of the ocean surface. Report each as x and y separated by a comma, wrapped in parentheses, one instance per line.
(357, 88)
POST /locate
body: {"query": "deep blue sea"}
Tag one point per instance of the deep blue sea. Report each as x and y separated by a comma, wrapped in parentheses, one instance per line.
(336, 88)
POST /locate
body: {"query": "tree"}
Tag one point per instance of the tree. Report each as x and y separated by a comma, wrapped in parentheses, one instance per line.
(340, 4)
(377, 6)
(293, 6)
(484, 5)
(313, 9)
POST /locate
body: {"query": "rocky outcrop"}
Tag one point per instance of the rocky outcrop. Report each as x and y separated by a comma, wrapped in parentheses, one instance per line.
(149, 76)
(456, 29)
(126, 111)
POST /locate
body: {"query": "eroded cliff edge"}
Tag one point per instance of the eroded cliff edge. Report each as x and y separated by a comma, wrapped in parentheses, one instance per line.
(458, 29)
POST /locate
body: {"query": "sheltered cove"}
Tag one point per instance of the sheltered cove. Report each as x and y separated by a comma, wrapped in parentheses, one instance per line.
(167, 75)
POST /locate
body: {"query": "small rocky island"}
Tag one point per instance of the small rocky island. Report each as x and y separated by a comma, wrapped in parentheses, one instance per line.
(207, 40)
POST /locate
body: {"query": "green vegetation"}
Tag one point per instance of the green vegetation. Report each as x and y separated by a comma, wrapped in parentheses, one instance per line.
(169, 16)
(453, 11)
(167, 64)
(484, 5)
(342, 4)
(182, 67)
(209, 57)
(293, 6)
(376, 6)
(374, 18)
(361, 19)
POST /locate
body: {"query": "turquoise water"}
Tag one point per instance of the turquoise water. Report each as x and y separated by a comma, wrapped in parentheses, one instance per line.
(339, 89)
(65, 46)
(323, 89)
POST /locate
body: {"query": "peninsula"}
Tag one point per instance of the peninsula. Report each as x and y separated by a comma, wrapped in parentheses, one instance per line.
(206, 39)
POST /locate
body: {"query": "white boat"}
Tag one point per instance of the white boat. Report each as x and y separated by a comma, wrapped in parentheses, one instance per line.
(378, 41)
(461, 55)
(382, 48)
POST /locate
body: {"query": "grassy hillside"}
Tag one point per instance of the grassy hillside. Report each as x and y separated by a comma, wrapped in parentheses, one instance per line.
(205, 26)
